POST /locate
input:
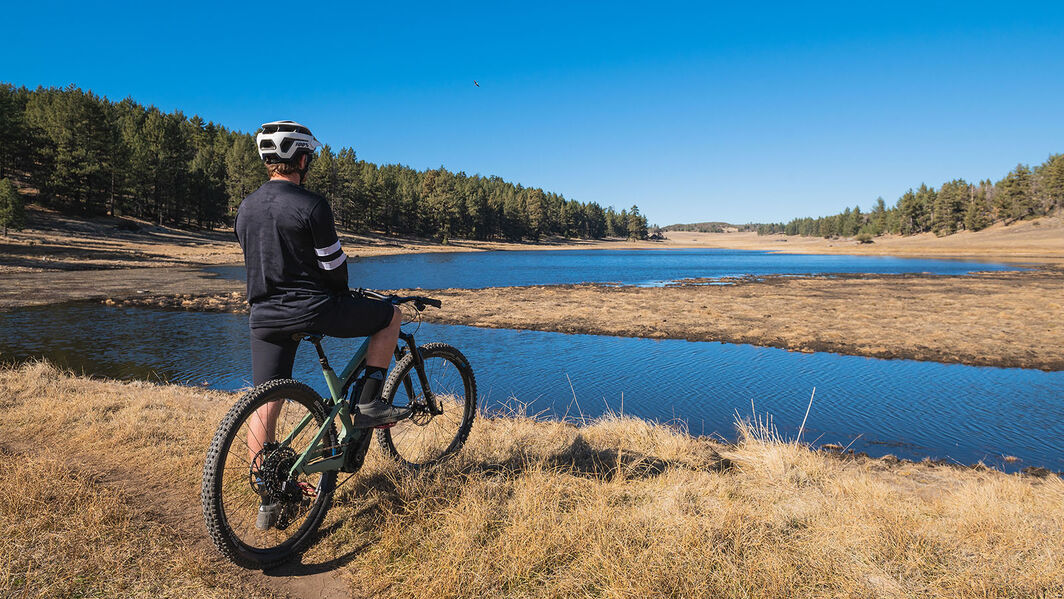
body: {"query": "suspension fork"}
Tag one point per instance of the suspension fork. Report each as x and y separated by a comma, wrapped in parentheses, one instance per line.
(419, 368)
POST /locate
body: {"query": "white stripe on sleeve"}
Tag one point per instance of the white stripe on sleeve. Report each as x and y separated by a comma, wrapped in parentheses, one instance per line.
(333, 264)
(332, 249)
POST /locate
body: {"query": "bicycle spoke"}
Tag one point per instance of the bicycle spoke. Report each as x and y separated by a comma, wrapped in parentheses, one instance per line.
(239, 500)
(424, 437)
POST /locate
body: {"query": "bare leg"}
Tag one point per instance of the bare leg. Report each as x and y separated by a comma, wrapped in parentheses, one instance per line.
(262, 427)
(382, 343)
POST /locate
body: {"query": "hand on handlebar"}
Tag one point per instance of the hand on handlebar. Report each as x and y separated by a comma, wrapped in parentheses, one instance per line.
(419, 301)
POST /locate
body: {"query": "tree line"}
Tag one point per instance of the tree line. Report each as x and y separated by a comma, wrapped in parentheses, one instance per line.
(84, 154)
(710, 227)
(955, 206)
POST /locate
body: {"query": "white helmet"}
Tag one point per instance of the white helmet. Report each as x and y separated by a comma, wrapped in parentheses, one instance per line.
(284, 141)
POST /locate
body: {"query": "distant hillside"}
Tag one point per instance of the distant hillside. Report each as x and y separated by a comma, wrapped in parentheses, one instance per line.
(1024, 193)
(712, 227)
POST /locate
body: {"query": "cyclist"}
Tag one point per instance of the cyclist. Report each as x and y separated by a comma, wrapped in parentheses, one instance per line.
(297, 281)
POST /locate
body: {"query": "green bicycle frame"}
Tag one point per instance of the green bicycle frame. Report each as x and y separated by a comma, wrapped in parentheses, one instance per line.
(337, 385)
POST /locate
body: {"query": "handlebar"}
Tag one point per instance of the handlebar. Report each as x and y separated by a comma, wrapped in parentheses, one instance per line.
(419, 301)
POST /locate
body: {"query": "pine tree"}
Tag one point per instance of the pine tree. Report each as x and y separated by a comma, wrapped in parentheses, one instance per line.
(950, 206)
(637, 224)
(1051, 179)
(976, 212)
(245, 171)
(879, 217)
(1014, 198)
(12, 207)
(911, 213)
(323, 178)
(536, 213)
(17, 149)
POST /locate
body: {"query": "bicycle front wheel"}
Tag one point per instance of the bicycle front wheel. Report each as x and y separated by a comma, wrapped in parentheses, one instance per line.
(257, 513)
(441, 414)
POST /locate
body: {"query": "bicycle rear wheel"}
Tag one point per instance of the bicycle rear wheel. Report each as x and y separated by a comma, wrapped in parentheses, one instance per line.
(426, 438)
(247, 467)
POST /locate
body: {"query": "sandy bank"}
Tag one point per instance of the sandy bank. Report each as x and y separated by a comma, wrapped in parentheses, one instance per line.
(615, 507)
(53, 242)
(1036, 241)
(59, 258)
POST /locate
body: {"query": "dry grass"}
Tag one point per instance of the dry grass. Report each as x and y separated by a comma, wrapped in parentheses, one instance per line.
(98, 492)
(68, 534)
(617, 507)
(1010, 319)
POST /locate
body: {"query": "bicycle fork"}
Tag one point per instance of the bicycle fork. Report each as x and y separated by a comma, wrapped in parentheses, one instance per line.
(419, 368)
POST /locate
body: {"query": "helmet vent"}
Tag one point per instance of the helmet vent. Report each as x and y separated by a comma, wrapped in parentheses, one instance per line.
(284, 141)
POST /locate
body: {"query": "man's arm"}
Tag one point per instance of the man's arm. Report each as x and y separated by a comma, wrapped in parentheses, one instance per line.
(331, 257)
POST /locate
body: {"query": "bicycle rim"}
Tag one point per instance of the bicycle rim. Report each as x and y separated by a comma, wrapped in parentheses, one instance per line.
(425, 438)
(254, 467)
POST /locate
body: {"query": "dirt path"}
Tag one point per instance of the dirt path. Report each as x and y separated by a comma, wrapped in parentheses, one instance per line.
(147, 454)
(177, 510)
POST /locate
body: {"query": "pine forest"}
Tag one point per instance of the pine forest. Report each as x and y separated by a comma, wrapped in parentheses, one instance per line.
(86, 155)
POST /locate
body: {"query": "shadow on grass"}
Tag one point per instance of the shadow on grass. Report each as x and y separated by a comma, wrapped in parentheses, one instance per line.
(583, 460)
(391, 492)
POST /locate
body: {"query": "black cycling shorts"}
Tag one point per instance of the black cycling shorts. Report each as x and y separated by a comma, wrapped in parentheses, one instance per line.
(273, 351)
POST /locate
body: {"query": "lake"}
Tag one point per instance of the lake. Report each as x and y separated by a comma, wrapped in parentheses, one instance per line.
(906, 408)
(474, 270)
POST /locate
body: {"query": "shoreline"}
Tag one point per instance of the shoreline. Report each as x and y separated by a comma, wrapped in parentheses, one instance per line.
(995, 319)
(1002, 319)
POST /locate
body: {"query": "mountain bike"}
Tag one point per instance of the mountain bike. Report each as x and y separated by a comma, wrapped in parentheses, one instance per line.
(279, 443)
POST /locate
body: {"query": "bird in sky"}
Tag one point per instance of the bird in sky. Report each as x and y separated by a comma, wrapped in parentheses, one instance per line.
(475, 83)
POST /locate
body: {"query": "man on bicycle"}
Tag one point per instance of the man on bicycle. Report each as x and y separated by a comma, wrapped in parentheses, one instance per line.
(297, 280)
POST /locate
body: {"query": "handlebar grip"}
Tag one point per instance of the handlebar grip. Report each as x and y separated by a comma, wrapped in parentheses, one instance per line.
(418, 300)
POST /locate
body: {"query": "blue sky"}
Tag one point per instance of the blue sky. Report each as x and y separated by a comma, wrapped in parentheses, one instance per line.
(698, 111)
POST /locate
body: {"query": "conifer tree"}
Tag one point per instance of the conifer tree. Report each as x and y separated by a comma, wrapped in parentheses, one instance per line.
(637, 224)
(879, 217)
(976, 212)
(1051, 179)
(12, 208)
(245, 171)
(949, 207)
(1014, 198)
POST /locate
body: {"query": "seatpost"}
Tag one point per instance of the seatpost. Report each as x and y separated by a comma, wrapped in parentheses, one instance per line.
(316, 340)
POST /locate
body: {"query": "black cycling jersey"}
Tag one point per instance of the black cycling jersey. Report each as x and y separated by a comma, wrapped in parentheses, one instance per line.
(295, 264)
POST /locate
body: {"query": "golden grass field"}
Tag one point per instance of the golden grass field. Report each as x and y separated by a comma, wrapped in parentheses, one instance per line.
(100, 499)
(1038, 241)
